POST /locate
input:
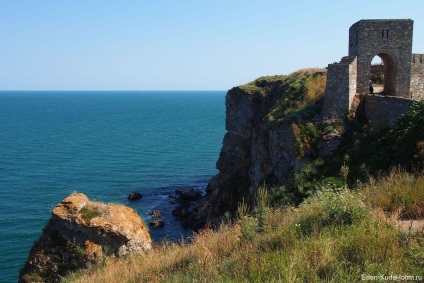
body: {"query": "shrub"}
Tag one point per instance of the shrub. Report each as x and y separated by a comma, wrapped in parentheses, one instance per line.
(308, 135)
(330, 207)
(312, 176)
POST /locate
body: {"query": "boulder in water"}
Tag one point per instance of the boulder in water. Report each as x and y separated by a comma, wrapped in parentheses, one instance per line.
(135, 196)
(157, 223)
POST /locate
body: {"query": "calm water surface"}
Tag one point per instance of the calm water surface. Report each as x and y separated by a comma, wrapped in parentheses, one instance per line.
(104, 144)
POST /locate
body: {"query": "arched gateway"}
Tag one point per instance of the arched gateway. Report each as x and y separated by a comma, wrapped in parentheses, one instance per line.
(391, 40)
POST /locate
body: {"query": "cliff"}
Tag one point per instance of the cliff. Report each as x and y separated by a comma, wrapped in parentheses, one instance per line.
(273, 126)
(80, 233)
(278, 137)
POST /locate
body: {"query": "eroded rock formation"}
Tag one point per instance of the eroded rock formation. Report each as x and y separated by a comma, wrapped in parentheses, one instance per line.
(258, 150)
(79, 233)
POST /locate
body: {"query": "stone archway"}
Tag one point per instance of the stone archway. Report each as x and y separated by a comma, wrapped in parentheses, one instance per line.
(391, 40)
(389, 71)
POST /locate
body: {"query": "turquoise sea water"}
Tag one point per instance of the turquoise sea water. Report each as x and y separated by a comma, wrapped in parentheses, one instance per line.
(104, 144)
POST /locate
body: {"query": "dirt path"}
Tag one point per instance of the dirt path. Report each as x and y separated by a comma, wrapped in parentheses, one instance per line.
(411, 225)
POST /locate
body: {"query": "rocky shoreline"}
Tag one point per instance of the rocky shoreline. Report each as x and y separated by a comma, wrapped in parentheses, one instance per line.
(81, 232)
(167, 201)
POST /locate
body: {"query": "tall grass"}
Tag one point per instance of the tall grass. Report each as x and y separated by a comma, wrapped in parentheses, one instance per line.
(302, 90)
(315, 88)
(335, 236)
(399, 193)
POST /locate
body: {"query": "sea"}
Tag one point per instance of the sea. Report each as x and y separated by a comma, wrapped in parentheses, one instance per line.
(104, 144)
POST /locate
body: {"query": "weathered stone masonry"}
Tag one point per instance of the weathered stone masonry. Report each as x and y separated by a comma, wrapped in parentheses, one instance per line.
(417, 77)
(391, 40)
(341, 86)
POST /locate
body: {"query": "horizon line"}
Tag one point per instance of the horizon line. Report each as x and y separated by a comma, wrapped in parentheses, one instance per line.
(88, 90)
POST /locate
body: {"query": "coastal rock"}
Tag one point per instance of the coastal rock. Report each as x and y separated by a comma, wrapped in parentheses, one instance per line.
(246, 109)
(274, 158)
(135, 196)
(157, 223)
(79, 233)
(330, 143)
(258, 148)
(188, 194)
(155, 213)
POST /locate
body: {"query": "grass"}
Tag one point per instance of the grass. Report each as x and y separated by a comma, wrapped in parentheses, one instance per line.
(399, 193)
(335, 236)
(89, 212)
(303, 89)
(263, 85)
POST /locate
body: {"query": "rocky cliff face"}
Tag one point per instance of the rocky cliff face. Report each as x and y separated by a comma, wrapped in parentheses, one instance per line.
(79, 233)
(252, 151)
(256, 150)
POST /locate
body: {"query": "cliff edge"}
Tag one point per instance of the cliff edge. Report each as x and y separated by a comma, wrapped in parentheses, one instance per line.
(80, 233)
(279, 137)
(274, 126)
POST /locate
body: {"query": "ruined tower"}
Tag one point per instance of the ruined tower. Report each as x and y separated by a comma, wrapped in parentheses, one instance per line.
(391, 40)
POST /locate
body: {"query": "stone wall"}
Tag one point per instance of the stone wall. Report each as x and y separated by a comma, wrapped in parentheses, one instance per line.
(391, 40)
(383, 111)
(340, 88)
(417, 76)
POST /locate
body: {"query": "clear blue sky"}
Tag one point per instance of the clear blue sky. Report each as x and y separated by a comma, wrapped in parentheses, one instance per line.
(177, 45)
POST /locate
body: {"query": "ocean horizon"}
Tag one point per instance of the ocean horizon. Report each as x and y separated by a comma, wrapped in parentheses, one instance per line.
(104, 144)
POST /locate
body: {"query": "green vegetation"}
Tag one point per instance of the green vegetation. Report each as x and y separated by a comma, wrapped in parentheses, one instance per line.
(308, 135)
(303, 93)
(398, 193)
(364, 151)
(367, 152)
(88, 213)
(263, 85)
(335, 236)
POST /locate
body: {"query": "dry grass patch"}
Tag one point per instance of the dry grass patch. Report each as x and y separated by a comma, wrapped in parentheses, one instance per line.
(315, 88)
(398, 194)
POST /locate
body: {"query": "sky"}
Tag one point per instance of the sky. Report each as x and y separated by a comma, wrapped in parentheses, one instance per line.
(177, 45)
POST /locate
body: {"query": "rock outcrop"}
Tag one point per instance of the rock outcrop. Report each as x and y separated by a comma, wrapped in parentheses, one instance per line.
(134, 196)
(79, 233)
(245, 158)
(256, 150)
(251, 152)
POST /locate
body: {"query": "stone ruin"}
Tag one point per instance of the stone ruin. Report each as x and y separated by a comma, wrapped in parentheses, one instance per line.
(403, 72)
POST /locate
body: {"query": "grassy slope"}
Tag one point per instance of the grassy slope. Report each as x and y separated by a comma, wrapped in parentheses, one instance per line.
(334, 236)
